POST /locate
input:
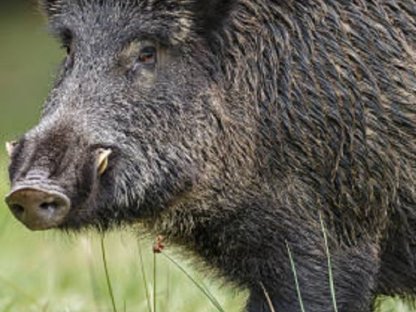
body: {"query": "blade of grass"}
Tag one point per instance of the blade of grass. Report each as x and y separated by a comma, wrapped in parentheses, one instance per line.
(205, 291)
(154, 281)
(107, 275)
(21, 292)
(9, 306)
(295, 275)
(168, 288)
(328, 255)
(269, 301)
(144, 277)
(209, 292)
(87, 251)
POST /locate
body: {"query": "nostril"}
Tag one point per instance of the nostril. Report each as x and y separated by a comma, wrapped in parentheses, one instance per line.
(17, 209)
(49, 206)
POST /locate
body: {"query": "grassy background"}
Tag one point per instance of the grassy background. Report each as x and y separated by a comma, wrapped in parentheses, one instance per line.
(55, 272)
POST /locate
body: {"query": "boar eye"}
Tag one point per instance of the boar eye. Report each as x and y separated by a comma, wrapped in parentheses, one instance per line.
(66, 39)
(148, 55)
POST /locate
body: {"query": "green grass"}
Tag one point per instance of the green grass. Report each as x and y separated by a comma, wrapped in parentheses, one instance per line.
(51, 271)
(295, 276)
(54, 272)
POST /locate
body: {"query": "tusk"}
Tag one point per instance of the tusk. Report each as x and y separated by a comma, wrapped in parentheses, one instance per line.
(10, 147)
(102, 160)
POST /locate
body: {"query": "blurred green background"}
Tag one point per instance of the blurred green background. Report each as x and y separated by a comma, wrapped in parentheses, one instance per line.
(58, 272)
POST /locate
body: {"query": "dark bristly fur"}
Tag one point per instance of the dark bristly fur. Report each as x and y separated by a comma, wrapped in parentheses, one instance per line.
(259, 117)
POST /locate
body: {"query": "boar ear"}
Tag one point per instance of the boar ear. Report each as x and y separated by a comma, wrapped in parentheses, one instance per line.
(211, 14)
(51, 7)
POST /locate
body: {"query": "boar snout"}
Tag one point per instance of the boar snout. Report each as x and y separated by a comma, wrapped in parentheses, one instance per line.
(50, 177)
(38, 208)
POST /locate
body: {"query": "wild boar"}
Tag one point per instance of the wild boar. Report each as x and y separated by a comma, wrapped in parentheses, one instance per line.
(232, 128)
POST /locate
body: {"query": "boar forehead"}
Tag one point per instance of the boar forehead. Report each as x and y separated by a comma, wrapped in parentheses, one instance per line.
(170, 22)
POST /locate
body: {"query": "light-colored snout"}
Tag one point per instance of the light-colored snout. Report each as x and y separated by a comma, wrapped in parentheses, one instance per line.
(37, 208)
(41, 204)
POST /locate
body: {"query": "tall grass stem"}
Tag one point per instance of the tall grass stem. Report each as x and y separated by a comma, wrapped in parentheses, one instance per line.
(295, 275)
(154, 281)
(266, 294)
(87, 251)
(146, 288)
(203, 289)
(328, 256)
(107, 275)
(20, 291)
